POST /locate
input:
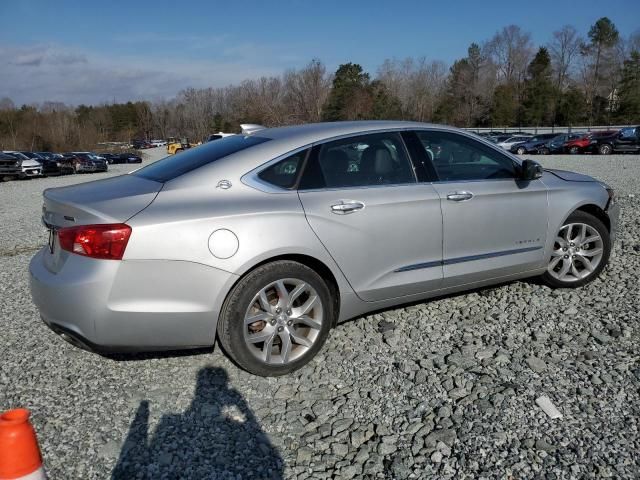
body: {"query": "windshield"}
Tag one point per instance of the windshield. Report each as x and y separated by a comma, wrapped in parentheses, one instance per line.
(172, 167)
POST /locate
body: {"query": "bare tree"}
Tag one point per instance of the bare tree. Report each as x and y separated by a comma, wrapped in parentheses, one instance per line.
(564, 48)
(511, 50)
(306, 91)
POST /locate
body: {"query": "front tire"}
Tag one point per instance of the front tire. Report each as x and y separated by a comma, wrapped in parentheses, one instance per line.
(580, 252)
(574, 150)
(521, 151)
(276, 318)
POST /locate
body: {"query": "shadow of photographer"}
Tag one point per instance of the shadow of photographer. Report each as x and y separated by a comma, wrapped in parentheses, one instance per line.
(217, 437)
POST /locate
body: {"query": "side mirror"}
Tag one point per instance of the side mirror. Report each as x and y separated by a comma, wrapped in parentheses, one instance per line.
(531, 170)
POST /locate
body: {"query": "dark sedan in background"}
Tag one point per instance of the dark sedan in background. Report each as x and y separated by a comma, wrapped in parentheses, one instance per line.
(534, 144)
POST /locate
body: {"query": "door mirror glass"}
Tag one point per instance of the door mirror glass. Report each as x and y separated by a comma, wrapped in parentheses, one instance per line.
(531, 170)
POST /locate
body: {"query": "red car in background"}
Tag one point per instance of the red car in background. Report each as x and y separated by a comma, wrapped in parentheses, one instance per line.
(579, 145)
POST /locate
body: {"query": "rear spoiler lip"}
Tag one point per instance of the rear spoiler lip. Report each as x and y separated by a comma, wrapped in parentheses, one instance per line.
(250, 128)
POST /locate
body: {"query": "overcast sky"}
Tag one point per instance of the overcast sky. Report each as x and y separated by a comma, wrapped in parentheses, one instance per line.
(85, 52)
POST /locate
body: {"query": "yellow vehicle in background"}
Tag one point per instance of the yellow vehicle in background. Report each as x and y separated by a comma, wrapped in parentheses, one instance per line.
(176, 145)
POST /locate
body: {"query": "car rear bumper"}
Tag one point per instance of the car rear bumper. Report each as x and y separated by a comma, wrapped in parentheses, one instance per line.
(129, 305)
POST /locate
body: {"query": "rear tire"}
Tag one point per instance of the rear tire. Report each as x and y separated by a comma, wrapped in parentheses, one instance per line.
(574, 150)
(292, 312)
(521, 151)
(580, 253)
(604, 149)
(545, 151)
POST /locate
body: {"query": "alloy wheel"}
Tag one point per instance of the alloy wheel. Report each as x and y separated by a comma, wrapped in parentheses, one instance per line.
(283, 321)
(577, 252)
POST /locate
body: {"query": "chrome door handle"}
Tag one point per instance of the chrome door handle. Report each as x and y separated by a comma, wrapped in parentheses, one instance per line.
(460, 196)
(348, 206)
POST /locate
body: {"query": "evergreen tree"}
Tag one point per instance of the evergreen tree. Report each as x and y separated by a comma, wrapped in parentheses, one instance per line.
(348, 85)
(539, 90)
(629, 94)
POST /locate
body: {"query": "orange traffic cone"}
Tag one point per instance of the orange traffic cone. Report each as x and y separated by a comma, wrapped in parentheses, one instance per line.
(19, 453)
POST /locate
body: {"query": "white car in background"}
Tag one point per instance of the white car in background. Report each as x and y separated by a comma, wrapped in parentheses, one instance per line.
(509, 142)
(28, 166)
(158, 143)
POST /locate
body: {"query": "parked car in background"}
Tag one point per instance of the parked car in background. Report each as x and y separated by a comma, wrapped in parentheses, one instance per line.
(509, 142)
(10, 167)
(198, 246)
(28, 166)
(80, 164)
(557, 144)
(99, 162)
(532, 145)
(126, 157)
(158, 143)
(499, 138)
(626, 140)
(581, 144)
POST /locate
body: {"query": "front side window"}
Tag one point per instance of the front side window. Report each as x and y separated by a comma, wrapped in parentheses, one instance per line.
(284, 173)
(458, 158)
(367, 160)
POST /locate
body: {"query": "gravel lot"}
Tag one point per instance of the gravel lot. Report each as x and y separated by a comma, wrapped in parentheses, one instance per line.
(444, 388)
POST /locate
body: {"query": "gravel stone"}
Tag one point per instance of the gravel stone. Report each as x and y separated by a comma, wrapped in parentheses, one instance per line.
(441, 389)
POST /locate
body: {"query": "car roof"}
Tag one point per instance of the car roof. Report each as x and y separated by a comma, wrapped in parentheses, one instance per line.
(315, 132)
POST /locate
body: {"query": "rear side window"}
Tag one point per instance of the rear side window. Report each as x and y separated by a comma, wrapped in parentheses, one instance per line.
(284, 173)
(188, 160)
(367, 160)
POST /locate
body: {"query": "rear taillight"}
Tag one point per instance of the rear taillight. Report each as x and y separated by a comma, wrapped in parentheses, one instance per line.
(106, 241)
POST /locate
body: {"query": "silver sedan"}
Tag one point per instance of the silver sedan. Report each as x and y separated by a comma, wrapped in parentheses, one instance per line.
(266, 241)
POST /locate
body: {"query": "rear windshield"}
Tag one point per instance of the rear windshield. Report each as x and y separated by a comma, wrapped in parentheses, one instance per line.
(188, 160)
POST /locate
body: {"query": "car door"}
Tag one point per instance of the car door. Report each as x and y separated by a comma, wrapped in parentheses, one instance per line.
(494, 224)
(383, 229)
(626, 141)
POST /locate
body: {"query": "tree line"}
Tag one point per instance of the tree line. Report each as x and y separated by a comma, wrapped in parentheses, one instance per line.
(504, 81)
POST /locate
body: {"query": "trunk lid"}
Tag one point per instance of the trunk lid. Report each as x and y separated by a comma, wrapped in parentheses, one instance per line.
(112, 200)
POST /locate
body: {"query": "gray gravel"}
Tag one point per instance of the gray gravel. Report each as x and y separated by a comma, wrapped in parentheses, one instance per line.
(445, 388)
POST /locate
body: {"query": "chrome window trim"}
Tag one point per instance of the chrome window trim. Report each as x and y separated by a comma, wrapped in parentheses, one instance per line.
(251, 178)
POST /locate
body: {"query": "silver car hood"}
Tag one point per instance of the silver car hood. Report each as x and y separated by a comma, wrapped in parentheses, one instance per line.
(112, 200)
(31, 163)
(570, 176)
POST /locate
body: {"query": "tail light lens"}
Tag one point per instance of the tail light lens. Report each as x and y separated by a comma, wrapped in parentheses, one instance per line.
(106, 241)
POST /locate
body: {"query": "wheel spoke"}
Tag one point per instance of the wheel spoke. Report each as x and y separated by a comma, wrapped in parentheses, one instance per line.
(285, 346)
(267, 349)
(283, 294)
(308, 321)
(554, 262)
(561, 241)
(591, 253)
(587, 263)
(574, 270)
(264, 301)
(583, 233)
(566, 266)
(264, 335)
(308, 305)
(591, 239)
(260, 316)
(567, 232)
(557, 253)
(299, 339)
(296, 293)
